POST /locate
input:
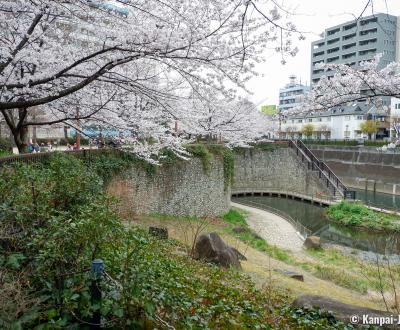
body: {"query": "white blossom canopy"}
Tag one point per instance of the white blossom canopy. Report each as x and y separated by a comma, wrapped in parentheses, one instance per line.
(130, 63)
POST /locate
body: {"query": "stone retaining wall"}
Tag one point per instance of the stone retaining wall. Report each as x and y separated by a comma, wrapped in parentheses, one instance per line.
(182, 189)
(258, 170)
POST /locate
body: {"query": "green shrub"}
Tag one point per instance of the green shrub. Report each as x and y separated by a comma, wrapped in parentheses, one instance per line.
(332, 142)
(354, 214)
(5, 145)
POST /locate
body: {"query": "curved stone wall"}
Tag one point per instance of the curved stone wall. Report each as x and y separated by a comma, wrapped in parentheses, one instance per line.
(182, 189)
(258, 170)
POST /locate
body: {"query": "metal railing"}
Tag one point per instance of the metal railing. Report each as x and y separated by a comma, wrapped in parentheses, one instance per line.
(86, 154)
(315, 197)
(324, 172)
(300, 228)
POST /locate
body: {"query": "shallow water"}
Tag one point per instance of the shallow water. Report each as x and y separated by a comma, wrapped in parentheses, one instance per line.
(378, 199)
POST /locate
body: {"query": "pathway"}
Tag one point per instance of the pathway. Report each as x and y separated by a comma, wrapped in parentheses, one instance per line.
(273, 228)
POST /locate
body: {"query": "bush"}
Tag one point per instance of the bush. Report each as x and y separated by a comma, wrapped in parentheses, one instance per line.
(5, 145)
(353, 214)
(332, 142)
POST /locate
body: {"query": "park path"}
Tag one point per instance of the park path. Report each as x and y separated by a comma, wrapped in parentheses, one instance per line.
(273, 228)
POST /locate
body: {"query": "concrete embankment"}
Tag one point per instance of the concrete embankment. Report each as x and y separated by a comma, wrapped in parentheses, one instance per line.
(362, 167)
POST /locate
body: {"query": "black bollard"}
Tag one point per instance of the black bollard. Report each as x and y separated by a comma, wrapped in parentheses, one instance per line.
(97, 272)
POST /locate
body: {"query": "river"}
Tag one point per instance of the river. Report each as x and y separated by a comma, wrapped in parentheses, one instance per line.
(314, 218)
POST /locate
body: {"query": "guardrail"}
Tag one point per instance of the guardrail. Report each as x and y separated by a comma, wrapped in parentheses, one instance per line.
(324, 172)
(317, 198)
(86, 154)
(301, 229)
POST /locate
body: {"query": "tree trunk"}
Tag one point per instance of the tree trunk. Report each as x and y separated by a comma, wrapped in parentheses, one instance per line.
(21, 139)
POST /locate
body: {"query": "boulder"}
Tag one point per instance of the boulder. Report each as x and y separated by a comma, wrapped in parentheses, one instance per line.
(312, 242)
(160, 232)
(342, 312)
(211, 248)
(294, 275)
(238, 254)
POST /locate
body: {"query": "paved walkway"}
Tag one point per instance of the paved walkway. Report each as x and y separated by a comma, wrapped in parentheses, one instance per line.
(274, 229)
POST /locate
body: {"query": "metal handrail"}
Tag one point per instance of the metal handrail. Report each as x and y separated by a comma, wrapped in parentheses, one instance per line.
(315, 166)
(314, 197)
(304, 231)
(322, 164)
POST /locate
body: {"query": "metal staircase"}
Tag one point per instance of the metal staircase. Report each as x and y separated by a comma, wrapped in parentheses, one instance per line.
(323, 171)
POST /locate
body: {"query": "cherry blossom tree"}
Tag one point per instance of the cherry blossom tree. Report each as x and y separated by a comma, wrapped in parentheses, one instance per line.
(238, 122)
(128, 64)
(369, 83)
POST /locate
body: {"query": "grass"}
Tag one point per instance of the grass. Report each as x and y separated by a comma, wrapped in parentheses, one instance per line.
(357, 215)
(236, 219)
(4, 153)
(326, 264)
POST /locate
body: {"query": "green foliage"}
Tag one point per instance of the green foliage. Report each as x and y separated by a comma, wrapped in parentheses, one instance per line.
(353, 214)
(235, 217)
(369, 127)
(308, 130)
(332, 142)
(5, 145)
(201, 151)
(376, 143)
(4, 153)
(315, 319)
(206, 152)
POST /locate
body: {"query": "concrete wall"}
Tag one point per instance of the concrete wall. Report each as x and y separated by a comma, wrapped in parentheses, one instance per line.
(363, 167)
(258, 171)
(182, 189)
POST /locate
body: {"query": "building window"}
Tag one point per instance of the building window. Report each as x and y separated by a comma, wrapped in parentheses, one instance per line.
(333, 50)
(360, 117)
(350, 26)
(346, 117)
(310, 120)
(368, 21)
(332, 41)
(332, 59)
(299, 121)
(367, 52)
(367, 32)
(331, 32)
(349, 36)
(349, 45)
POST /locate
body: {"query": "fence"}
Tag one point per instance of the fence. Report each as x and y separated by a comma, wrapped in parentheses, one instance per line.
(85, 154)
(302, 230)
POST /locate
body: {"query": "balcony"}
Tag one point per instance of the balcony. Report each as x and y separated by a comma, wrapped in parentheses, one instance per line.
(349, 37)
(318, 54)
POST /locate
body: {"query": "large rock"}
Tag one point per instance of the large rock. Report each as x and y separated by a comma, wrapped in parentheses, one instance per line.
(211, 248)
(312, 242)
(342, 312)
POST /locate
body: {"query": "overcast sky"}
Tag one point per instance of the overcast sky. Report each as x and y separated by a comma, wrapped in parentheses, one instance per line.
(313, 16)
